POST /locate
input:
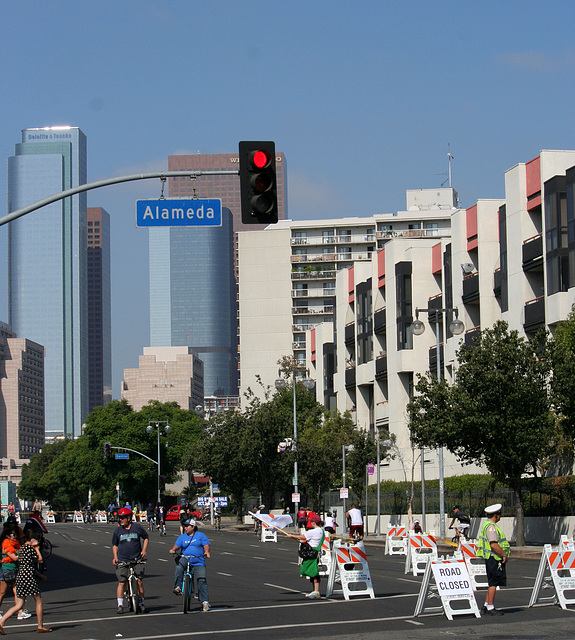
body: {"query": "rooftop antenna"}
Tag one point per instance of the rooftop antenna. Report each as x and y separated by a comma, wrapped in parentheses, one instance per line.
(449, 159)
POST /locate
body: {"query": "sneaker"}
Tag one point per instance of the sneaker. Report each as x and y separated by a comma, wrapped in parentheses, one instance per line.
(143, 608)
(24, 615)
(313, 595)
(205, 606)
(178, 591)
(120, 609)
(491, 612)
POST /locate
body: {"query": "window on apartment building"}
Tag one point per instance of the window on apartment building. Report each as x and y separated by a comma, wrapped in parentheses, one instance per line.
(328, 236)
(503, 257)
(557, 250)
(404, 307)
(570, 178)
(364, 322)
(431, 229)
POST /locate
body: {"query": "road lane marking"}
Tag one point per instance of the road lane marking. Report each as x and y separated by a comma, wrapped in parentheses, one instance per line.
(277, 586)
(221, 573)
(161, 560)
(408, 580)
(415, 622)
(258, 558)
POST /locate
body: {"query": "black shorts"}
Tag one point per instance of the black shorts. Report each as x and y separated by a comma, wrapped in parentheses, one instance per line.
(496, 573)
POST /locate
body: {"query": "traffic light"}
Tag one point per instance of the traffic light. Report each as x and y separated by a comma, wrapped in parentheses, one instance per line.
(107, 449)
(162, 483)
(258, 184)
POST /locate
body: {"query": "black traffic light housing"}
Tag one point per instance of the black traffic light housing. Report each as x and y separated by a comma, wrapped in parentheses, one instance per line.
(258, 184)
(107, 449)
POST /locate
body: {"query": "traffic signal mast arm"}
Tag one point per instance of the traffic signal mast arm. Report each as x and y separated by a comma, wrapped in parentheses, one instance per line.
(104, 183)
(138, 452)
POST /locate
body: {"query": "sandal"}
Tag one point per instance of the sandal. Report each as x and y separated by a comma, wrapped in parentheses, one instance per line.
(43, 630)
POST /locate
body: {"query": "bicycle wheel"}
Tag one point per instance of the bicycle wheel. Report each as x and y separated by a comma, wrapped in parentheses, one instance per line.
(46, 548)
(134, 596)
(188, 593)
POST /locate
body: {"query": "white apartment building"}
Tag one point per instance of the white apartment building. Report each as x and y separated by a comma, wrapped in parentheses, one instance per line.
(287, 276)
(512, 259)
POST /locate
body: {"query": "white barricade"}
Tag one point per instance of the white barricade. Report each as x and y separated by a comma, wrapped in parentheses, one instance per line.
(567, 543)
(422, 548)
(101, 516)
(268, 534)
(50, 519)
(18, 520)
(78, 516)
(452, 585)
(475, 566)
(349, 567)
(143, 516)
(325, 557)
(396, 540)
(561, 565)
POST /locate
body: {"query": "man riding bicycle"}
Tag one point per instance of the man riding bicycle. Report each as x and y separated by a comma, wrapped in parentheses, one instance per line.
(462, 528)
(129, 544)
(194, 547)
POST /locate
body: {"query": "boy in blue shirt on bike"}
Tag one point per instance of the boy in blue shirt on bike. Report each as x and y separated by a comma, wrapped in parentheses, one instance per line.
(195, 547)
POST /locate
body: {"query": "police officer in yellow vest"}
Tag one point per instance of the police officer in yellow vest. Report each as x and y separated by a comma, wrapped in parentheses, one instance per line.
(493, 546)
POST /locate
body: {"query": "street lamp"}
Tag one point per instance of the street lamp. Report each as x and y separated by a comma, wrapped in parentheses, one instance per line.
(417, 328)
(309, 384)
(166, 430)
(345, 448)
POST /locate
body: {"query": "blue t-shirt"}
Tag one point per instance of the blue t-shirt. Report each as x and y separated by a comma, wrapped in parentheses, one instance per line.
(129, 541)
(193, 547)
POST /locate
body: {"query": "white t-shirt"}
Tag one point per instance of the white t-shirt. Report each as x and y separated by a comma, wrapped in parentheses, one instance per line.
(356, 517)
(329, 522)
(313, 536)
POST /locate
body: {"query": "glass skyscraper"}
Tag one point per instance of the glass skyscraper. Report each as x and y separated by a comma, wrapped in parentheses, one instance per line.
(192, 297)
(47, 267)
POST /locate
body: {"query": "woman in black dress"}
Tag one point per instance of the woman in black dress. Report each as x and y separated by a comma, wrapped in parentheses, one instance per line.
(26, 581)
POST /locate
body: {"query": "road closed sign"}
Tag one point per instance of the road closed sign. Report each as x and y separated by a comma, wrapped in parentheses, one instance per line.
(452, 579)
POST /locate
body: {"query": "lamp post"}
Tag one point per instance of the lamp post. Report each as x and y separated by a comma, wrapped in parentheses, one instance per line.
(345, 448)
(387, 444)
(166, 430)
(417, 328)
(280, 383)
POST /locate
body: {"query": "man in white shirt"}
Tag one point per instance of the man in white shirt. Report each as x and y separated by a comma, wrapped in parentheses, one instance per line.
(355, 521)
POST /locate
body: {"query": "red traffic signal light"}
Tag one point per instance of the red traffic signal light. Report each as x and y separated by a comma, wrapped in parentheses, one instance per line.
(258, 182)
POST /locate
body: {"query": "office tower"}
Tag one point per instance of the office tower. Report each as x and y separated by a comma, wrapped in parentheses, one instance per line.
(166, 374)
(192, 297)
(47, 267)
(226, 187)
(99, 309)
(21, 402)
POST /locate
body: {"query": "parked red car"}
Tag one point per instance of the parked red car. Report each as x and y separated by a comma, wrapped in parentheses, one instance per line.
(174, 513)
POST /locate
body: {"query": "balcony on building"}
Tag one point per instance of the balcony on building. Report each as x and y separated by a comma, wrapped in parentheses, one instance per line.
(433, 358)
(381, 367)
(314, 273)
(497, 282)
(379, 321)
(470, 288)
(534, 314)
(470, 336)
(349, 336)
(350, 376)
(533, 253)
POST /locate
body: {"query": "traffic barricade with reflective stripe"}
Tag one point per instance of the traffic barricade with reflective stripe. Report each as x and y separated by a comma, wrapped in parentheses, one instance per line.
(78, 516)
(325, 557)
(422, 548)
(396, 540)
(561, 565)
(50, 518)
(349, 567)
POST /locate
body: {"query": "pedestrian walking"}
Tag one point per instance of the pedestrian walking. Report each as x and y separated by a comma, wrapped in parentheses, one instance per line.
(494, 548)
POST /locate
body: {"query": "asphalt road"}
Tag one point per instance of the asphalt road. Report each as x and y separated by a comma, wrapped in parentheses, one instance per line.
(256, 592)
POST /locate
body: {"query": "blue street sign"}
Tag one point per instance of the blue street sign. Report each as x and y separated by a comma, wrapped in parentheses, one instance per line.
(171, 212)
(122, 456)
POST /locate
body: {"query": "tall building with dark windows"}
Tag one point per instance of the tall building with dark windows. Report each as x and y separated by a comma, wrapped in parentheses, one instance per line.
(193, 298)
(99, 309)
(47, 267)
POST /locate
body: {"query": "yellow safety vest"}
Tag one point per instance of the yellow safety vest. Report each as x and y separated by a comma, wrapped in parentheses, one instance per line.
(483, 546)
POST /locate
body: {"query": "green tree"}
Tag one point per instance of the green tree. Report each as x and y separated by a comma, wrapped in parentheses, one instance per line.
(497, 412)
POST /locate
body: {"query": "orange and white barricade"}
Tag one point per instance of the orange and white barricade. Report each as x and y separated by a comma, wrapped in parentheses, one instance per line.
(422, 548)
(325, 557)
(475, 566)
(561, 565)
(101, 516)
(267, 533)
(50, 518)
(396, 540)
(349, 567)
(452, 585)
(567, 543)
(78, 516)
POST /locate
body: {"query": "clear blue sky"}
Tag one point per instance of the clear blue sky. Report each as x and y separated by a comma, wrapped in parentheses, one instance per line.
(362, 97)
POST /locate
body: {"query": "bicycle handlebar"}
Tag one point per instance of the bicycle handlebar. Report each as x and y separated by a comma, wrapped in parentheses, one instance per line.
(131, 563)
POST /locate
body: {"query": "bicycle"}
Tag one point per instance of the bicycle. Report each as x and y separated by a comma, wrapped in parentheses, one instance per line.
(188, 583)
(45, 548)
(131, 591)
